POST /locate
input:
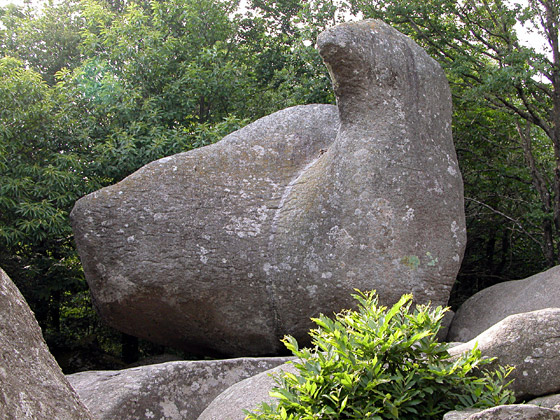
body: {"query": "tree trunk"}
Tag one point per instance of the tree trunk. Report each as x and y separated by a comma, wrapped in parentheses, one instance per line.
(540, 184)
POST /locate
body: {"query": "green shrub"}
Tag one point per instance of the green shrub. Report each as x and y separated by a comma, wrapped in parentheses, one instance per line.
(377, 364)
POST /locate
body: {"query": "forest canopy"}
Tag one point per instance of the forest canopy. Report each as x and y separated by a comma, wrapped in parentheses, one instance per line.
(91, 90)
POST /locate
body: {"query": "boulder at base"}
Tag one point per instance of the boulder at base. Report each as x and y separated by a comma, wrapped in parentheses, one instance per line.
(491, 305)
(245, 395)
(531, 343)
(227, 248)
(32, 386)
(166, 391)
(506, 412)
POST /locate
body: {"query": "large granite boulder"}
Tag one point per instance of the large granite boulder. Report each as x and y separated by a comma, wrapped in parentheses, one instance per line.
(166, 391)
(248, 394)
(531, 343)
(491, 305)
(227, 248)
(32, 386)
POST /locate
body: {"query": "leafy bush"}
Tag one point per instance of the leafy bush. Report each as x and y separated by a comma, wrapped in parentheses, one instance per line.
(379, 364)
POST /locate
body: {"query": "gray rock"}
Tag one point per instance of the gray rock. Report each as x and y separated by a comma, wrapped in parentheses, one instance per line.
(529, 341)
(227, 248)
(178, 253)
(493, 304)
(166, 391)
(548, 401)
(505, 412)
(461, 414)
(515, 412)
(245, 395)
(32, 386)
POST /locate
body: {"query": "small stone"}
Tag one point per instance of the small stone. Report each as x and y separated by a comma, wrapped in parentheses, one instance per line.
(548, 401)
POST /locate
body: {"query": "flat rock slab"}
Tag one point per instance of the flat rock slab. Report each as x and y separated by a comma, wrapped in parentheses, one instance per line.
(32, 386)
(506, 412)
(227, 248)
(491, 305)
(531, 343)
(166, 391)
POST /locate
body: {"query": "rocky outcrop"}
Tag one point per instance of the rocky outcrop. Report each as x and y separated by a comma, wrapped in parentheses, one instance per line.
(32, 386)
(493, 304)
(506, 412)
(245, 395)
(531, 343)
(227, 248)
(166, 391)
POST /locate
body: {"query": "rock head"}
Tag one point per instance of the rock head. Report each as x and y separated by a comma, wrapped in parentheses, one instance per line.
(227, 248)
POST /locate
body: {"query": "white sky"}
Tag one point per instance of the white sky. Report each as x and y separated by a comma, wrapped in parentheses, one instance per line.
(6, 2)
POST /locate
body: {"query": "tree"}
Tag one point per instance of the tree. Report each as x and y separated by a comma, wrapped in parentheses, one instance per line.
(158, 77)
(278, 40)
(43, 172)
(504, 218)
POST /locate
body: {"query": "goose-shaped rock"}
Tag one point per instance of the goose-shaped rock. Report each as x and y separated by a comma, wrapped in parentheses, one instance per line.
(225, 249)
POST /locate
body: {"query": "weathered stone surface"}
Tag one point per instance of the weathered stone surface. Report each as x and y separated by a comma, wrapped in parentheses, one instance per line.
(460, 415)
(227, 248)
(506, 412)
(517, 412)
(178, 253)
(245, 395)
(548, 401)
(493, 304)
(32, 385)
(529, 341)
(167, 391)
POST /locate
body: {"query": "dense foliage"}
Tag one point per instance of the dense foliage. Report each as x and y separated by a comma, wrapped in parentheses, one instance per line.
(43, 171)
(91, 90)
(374, 363)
